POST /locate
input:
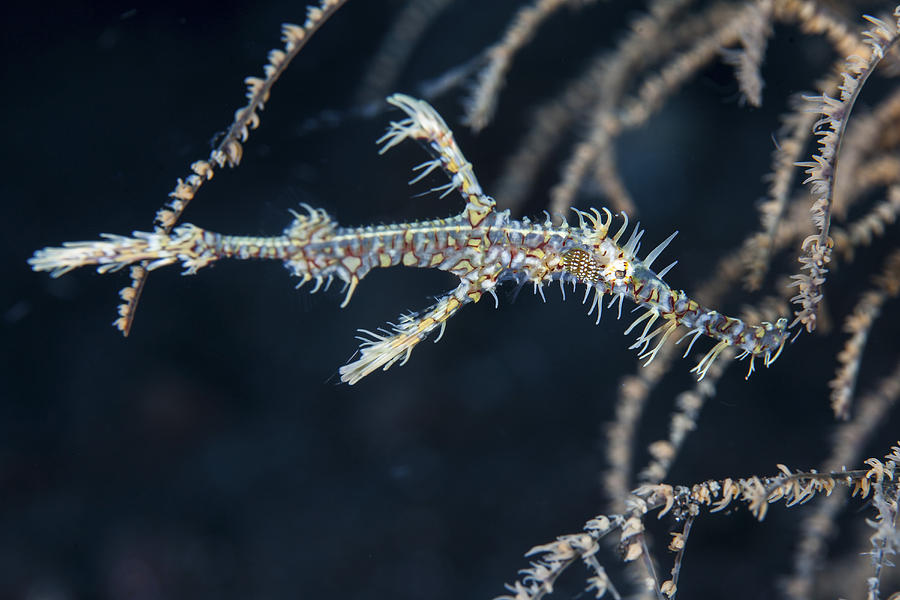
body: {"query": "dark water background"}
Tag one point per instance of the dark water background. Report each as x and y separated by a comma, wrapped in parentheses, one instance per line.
(213, 453)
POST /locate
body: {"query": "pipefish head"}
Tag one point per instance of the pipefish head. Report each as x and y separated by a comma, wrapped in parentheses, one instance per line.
(597, 266)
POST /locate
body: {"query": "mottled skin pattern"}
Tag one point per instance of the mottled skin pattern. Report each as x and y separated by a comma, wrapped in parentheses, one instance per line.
(483, 247)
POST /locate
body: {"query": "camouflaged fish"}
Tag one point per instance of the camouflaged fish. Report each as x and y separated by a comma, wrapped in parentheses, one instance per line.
(482, 246)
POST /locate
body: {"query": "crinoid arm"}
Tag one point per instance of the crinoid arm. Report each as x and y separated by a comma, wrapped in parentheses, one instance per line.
(229, 150)
(822, 169)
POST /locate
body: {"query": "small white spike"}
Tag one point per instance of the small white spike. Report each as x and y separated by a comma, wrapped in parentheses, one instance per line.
(696, 333)
(668, 329)
(580, 216)
(658, 250)
(426, 168)
(750, 370)
(493, 293)
(402, 362)
(708, 359)
(620, 297)
(630, 246)
(662, 273)
(635, 323)
(598, 304)
(622, 228)
(445, 189)
(349, 288)
(441, 332)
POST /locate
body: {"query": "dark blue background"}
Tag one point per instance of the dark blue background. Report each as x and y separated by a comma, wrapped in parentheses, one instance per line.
(214, 454)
